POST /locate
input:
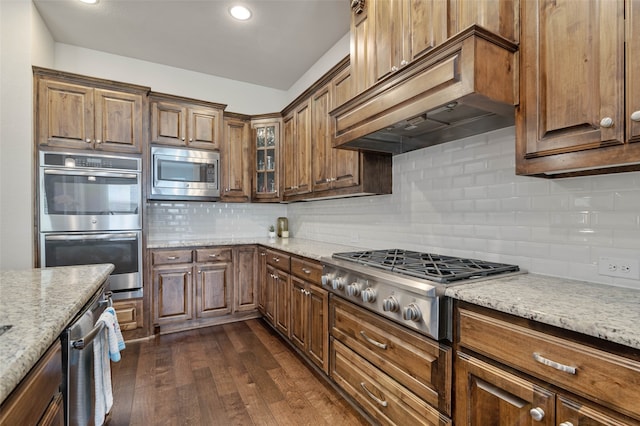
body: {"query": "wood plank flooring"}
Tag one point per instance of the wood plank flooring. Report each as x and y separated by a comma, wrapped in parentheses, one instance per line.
(234, 374)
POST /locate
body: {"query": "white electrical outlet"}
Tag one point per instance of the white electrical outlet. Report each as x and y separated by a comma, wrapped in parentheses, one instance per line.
(618, 267)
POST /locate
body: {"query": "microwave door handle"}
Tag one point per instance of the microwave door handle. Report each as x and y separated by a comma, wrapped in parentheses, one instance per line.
(80, 237)
(90, 173)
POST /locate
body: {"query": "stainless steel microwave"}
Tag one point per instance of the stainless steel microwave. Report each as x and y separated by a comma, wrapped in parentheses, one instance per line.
(181, 174)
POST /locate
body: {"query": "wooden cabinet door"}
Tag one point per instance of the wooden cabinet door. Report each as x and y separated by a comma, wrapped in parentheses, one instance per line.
(173, 293)
(303, 148)
(282, 297)
(270, 295)
(213, 289)
(427, 26)
(345, 163)
(267, 163)
(318, 326)
(118, 121)
(572, 86)
(289, 155)
(234, 159)
(633, 71)
(299, 313)
(262, 280)
(501, 17)
(389, 24)
(245, 261)
(65, 116)
(571, 412)
(168, 123)
(322, 147)
(487, 395)
(204, 128)
(361, 50)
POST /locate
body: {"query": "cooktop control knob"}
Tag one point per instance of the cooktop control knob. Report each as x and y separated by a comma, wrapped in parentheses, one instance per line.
(337, 283)
(412, 313)
(368, 295)
(390, 304)
(353, 290)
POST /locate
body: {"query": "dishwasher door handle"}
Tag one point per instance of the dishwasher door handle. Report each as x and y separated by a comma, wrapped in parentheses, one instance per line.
(82, 343)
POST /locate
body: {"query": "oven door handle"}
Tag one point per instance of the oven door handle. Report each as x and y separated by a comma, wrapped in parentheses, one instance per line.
(128, 236)
(90, 173)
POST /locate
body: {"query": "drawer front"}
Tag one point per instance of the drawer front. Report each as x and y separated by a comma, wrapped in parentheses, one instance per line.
(381, 396)
(213, 255)
(168, 257)
(611, 379)
(279, 260)
(306, 270)
(420, 364)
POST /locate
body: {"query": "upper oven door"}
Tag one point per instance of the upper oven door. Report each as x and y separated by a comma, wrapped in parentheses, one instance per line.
(89, 200)
(183, 172)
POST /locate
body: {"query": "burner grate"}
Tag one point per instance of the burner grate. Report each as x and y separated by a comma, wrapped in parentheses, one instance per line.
(434, 267)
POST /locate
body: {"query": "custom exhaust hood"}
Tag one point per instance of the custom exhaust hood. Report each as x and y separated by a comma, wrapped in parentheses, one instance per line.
(466, 86)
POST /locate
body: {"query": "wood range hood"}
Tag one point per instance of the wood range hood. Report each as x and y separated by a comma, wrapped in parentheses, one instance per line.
(466, 86)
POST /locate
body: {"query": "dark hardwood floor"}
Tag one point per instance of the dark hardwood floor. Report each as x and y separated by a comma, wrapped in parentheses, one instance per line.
(234, 374)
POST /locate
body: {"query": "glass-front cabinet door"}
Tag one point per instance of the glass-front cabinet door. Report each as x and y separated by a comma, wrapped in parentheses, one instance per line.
(267, 166)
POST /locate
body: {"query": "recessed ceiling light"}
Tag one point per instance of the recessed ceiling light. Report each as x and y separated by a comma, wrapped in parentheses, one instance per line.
(90, 1)
(241, 13)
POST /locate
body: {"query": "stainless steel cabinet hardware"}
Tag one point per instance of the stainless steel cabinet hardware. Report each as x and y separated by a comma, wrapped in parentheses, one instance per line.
(553, 364)
(372, 396)
(373, 342)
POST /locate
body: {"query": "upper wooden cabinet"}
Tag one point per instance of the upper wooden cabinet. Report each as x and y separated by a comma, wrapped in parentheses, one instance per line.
(266, 160)
(235, 160)
(297, 150)
(186, 122)
(84, 113)
(580, 107)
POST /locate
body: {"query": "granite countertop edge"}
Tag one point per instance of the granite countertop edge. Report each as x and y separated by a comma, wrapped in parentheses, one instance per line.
(40, 304)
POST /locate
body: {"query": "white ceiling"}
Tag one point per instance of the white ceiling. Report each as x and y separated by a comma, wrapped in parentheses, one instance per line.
(282, 40)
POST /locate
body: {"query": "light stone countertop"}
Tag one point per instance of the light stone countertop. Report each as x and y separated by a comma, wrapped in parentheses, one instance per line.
(606, 312)
(39, 304)
(602, 311)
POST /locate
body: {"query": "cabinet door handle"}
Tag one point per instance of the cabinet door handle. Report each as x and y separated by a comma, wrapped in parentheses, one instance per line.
(276, 259)
(549, 363)
(537, 414)
(98, 141)
(606, 122)
(403, 63)
(373, 342)
(635, 116)
(394, 68)
(263, 254)
(372, 396)
(172, 257)
(566, 424)
(87, 140)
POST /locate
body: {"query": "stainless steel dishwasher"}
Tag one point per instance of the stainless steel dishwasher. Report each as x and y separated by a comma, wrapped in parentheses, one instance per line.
(78, 384)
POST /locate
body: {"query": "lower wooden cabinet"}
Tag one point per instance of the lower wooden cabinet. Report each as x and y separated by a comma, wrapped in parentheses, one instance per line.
(130, 314)
(197, 287)
(512, 371)
(37, 399)
(282, 285)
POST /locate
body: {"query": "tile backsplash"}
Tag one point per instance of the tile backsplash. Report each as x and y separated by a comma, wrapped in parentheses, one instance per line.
(460, 198)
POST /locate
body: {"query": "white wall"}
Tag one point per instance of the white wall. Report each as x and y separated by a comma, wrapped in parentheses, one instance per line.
(21, 28)
(463, 198)
(238, 96)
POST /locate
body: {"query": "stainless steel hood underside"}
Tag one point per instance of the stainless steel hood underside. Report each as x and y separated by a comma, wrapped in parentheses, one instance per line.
(466, 86)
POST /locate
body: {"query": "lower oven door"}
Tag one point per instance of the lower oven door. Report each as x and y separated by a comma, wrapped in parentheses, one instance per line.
(122, 249)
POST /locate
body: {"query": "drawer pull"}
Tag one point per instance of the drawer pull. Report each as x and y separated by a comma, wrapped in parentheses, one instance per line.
(566, 424)
(553, 364)
(213, 255)
(306, 271)
(172, 257)
(372, 396)
(373, 342)
(276, 259)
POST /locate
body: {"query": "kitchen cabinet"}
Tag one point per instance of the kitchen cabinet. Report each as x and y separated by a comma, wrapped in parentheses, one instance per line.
(37, 399)
(202, 286)
(512, 371)
(310, 312)
(266, 301)
(278, 268)
(396, 375)
(246, 278)
(297, 150)
(186, 122)
(579, 93)
(267, 167)
(129, 313)
(235, 174)
(90, 114)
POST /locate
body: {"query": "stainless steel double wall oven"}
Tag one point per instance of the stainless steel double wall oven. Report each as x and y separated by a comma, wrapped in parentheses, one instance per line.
(91, 212)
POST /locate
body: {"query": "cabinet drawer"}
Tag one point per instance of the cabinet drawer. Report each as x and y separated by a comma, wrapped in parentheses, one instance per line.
(166, 257)
(608, 378)
(420, 364)
(213, 255)
(306, 270)
(279, 260)
(380, 395)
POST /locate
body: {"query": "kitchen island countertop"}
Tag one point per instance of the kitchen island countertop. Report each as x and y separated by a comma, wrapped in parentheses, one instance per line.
(39, 304)
(606, 312)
